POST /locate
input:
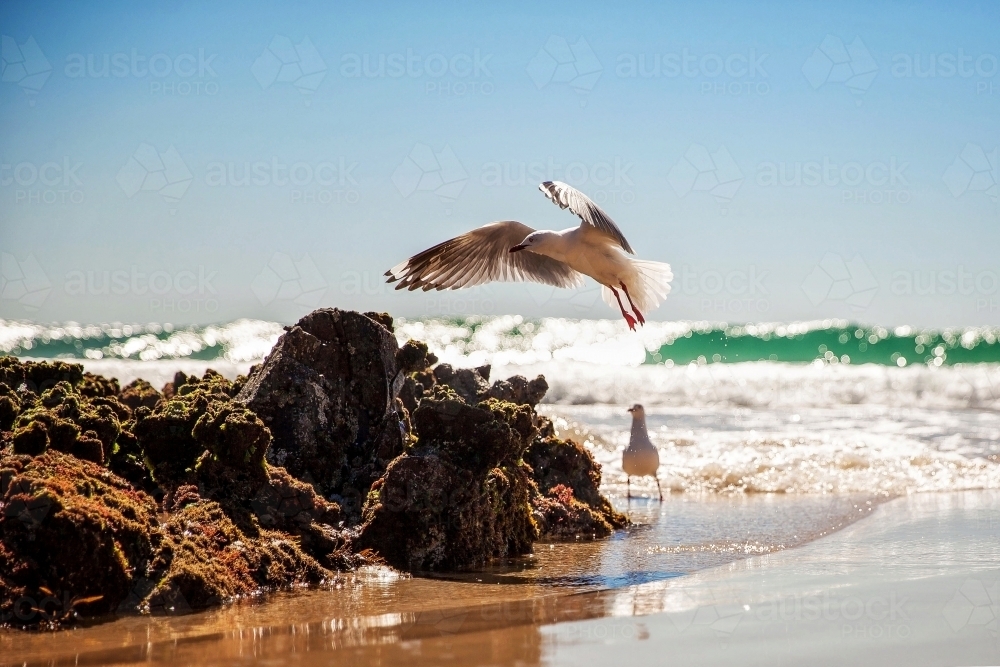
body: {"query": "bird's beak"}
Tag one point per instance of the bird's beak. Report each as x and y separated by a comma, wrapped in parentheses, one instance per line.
(518, 247)
(631, 409)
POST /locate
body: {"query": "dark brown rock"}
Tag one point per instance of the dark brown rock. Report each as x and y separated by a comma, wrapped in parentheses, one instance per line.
(567, 466)
(73, 423)
(206, 559)
(287, 503)
(414, 357)
(327, 393)
(38, 376)
(472, 384)
(10, 407)
(32, 439)
(165, 435)
(459, 498)
(69, 530)
(94, 386)
(518, 389)
(561, 516)
(140, 393)
(234, 443)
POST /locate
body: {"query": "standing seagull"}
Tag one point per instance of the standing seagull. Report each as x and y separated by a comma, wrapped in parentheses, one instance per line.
(494, 252)
(640, 458)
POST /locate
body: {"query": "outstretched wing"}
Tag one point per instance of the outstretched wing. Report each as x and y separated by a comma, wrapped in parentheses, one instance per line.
(481, 256)
(566, 196)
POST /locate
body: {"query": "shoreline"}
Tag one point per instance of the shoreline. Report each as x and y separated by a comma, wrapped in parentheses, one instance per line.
(904, 580)
(916, 583)
(405, 608)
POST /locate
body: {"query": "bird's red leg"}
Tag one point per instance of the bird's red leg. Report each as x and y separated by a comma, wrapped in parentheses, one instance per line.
(628, 318)
(642, 320)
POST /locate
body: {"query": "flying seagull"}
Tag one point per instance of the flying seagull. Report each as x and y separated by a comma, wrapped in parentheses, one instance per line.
(509, 251)
(640, 458)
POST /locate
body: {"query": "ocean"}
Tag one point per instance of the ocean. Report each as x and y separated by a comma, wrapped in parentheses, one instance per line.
(796, 408)
(771, 437)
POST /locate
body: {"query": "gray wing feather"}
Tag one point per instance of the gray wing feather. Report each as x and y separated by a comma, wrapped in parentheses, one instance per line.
(566, 196)
(481, 256)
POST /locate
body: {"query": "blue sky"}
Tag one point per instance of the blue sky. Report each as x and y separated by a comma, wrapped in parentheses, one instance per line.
(790, 160)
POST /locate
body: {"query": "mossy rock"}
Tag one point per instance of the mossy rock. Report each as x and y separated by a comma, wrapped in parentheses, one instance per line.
(568, 466)
(460, 497)
(73, 530)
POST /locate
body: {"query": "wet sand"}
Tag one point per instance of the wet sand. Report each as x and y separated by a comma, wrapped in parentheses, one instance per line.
(376, 608)
(915, 584)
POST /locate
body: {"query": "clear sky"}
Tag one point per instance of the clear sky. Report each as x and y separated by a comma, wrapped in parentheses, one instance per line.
(199, 162)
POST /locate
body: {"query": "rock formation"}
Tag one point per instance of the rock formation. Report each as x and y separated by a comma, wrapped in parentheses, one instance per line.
(340, 449)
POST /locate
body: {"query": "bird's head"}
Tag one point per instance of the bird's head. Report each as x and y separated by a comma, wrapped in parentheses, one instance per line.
(528, 241)
(532, 240)
(637, 411)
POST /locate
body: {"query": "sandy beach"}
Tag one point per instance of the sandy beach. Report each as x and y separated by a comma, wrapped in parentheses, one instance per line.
(915, 583)
(915, 580)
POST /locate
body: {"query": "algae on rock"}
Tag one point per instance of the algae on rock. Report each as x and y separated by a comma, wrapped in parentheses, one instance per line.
(570, 503)
(179, 498)
(327, 392)
(69, 529)
(459, 497)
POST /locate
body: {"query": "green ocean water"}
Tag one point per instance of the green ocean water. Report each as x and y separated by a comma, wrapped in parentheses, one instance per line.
(665, 342)
(846, 344)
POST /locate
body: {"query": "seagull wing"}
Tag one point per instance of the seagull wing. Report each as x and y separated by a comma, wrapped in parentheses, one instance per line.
(481, 256)
(566, 196)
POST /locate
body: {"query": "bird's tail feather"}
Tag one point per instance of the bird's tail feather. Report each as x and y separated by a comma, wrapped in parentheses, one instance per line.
(648, 287)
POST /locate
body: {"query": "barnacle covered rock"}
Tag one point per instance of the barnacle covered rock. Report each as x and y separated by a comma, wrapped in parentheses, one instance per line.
(459, 498)
(69, 530)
